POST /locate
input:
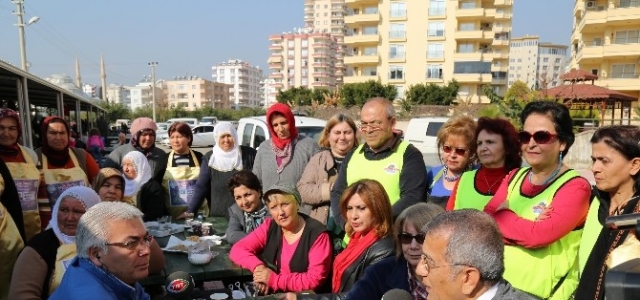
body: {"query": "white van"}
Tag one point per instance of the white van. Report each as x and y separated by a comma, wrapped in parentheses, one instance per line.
(191, 121)
(423, 132)
(252, 131)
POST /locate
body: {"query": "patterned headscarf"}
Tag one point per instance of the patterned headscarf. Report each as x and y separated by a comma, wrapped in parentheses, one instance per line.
(13, 149)
(84, 195)
(103, 175)
(143, 173)
(221, 160)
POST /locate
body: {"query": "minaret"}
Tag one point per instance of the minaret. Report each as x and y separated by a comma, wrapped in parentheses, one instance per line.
(103, 77)
(78, 79)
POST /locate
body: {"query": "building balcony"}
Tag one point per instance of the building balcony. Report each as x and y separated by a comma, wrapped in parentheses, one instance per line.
(362, 59)
(359, 2)
(321, 74)
(474, 35)
(320, 83)
(503, 2)
(610, 51)
(362, 39)
(437, 13)
(356, 79)
(320, 54)
(275, 75)
(621, 84)
(500, 42)
(277, 85)
(499, 81)
(464, 13)
(578, 8)
(362, 18)
(473, 78)
(275, 47)
(474, 56)
(275, 37)
(321, 45)
(274, 59)
(500, 68)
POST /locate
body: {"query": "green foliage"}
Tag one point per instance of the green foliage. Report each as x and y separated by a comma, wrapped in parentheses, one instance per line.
(491, 111)
(433, 94)
(116, 111)
(493, 97)
(179, 112)
(582, 116)
(520, 91)
(355, 94)
(302, 96)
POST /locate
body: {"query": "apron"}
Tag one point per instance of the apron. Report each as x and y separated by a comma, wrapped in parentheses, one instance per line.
(64, 255)
(179, 183)
(10, 246)
(57, 181)
(27, 179)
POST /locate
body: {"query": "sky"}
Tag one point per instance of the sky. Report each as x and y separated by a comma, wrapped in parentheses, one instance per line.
(186, 38)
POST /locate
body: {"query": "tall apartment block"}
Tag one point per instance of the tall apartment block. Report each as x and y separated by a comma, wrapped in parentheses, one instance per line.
(303, 59)
(192, 93)
(327, 16)
(537, 64)
(117, 93)
(141, 94)
(433, 41)
(606, 42)
(245, 80)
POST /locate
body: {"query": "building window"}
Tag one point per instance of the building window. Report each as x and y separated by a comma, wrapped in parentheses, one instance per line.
(467, 27)
(290, 44)
(291, 62)
(370, 50)
(434, 71)
(371, 10)
(465, 48)
(437, 7)
(290, 53)
(370, 71)
(397, 31)
(400, 90)
(629, 3)
(623, 71)
(396, 72)
(471, 67)
(396, 51)
(627, 37)
(304, 53)
(370, 30)
(436, 28)
(304, 43)
(557, 60)
(467, 5)
(398, 10)
(435, 50)
(545, 60)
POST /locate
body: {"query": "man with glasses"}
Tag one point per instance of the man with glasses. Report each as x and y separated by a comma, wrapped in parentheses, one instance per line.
(463, 258)
(113, 250)
(384, 157)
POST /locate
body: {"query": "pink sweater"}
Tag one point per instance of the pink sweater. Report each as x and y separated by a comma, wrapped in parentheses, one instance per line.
(245, 254)
(95, 140)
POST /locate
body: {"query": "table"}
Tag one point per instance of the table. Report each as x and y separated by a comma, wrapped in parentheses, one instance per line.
(220, 267)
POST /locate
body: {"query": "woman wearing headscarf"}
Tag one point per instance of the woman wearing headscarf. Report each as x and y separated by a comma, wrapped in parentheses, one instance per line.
(61, 166)
(140, 190)
(42, 263)
(12, 235)
(183, 168)
(284, 156)
(21, 163)
(225, 159)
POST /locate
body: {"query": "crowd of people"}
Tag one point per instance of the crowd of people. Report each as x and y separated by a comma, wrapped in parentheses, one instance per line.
(349, 217)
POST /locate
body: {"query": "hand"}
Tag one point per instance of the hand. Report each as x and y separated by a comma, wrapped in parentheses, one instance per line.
(261, 289)
(287, 296)
(545, 214)
(184, 215)
(262, 274)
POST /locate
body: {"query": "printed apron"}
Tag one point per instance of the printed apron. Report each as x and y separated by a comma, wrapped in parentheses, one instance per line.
(27, 179)
(57, 181)
(10, 246)
(179, 183)
(64, 256)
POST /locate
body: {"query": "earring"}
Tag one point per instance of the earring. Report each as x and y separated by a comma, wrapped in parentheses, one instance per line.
(560, 158)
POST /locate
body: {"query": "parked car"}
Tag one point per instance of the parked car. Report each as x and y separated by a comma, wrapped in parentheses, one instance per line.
(191, 121)
(209, 120)
(253, 130)
(202, 137)
(423, 132)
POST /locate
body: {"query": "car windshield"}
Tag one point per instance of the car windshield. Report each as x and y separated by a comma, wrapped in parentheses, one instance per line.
(313, 132)
(207, 119)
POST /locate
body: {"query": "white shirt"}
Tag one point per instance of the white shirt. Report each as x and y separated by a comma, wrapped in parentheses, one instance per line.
(489, 294)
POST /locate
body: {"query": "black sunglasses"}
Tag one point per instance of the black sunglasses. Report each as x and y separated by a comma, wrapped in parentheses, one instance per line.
(406, 238)
(541, 137)
(458, 151)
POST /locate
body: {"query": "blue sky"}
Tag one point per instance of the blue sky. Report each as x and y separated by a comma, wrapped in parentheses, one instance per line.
(186, 37)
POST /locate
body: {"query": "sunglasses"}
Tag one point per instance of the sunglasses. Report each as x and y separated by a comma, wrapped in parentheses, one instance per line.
(458, 151)
(541, 137)
(406, 238)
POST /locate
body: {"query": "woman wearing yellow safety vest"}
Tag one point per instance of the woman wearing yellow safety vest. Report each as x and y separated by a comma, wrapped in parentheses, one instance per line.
(456, 139)
(541, 209)
(498, 151)
(616, 168)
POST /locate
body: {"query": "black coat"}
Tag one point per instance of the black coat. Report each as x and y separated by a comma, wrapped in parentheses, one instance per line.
(380, 250)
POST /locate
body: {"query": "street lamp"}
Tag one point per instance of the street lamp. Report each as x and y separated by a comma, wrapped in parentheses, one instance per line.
(153, 65)
(23, 48)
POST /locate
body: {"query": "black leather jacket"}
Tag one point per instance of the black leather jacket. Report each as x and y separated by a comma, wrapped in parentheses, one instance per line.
(380, 250)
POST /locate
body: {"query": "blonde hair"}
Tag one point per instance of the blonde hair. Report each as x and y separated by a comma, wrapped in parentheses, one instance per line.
(333, 121)
(460, 125)
(282, 198)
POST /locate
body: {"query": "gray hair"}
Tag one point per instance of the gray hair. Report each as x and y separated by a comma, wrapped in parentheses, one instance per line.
(93, 227)
(473, 239)
(389, 109)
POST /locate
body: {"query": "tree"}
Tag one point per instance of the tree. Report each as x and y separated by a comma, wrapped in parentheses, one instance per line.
(433, 94)
(519, 90)
(116, 111)
(356, 94)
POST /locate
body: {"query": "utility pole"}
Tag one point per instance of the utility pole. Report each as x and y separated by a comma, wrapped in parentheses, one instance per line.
(153, 87)
(23, 47)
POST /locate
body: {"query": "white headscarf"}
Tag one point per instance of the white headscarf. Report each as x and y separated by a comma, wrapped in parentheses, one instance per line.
(221, 160)
(84, 195)
(143, 173)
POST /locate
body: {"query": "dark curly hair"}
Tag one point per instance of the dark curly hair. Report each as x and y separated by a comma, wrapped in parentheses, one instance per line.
(513, 154)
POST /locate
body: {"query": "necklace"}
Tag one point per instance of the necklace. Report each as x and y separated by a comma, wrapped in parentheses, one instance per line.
(491, 186)
(449, 178)
(549, 178)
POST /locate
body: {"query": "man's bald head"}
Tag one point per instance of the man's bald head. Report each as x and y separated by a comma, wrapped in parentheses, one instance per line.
(381, 102)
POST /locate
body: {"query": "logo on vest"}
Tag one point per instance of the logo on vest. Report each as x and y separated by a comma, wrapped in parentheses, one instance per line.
(177, 286)
(391, 169)
(539, 208)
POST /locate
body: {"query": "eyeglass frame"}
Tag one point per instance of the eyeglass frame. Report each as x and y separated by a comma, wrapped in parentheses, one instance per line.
(427, 268)
(412, 237)
(133, 244)
(455, 150)
(372, 126)
(552, 137)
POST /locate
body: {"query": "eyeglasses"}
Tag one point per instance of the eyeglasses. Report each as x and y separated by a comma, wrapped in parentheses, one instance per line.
(406, 238)
(372, 126)
(457, 151)
(134, 243)
(428, 268)
(540, 137)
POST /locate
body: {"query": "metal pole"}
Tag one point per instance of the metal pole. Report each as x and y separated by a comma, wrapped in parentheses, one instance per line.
(153, 87)
(23, 47)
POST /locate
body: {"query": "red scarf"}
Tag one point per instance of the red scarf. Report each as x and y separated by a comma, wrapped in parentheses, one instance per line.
(284, 110)
(357, 245)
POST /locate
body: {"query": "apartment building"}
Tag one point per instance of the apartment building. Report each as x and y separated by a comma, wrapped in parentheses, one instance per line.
(409, 42)
(606, 42)
(141, 94)
(244, 79)
(303, 58)
(536, 63)
(117, 93)
(327, 16)
(192, 93)
(269, 92)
